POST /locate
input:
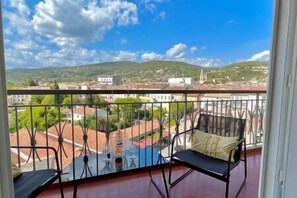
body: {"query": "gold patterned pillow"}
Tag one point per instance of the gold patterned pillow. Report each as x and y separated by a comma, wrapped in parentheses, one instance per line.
(213, 145)
(16, 171)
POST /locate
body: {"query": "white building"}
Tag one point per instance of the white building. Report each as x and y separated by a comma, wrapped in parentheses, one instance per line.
(109, 80)
(17, 99)
(180, 81)
(79, 112)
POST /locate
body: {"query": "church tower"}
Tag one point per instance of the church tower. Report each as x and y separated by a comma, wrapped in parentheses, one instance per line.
(202, 77)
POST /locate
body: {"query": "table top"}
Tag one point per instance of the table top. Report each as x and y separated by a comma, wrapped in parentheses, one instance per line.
(143, 157)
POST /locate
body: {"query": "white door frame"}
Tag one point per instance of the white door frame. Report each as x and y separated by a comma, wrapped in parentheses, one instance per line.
(280, 102)
(6, 184)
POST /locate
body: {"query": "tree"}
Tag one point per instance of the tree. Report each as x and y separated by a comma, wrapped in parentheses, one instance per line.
(95, 100)
(158, 113)
(177, 110)
(99, 101)
(112, 124)
(36, 99)
(48, 100)
(128, 107)
(58, 99)
(67, 100)
(145, 114)
(32, 82)
(10, 85)
(40, 119)
(12, 122)
(88, 100)
(55, 86)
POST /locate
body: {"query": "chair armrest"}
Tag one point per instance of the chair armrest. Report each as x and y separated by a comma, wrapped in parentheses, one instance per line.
(41, 147)
(177, 135)
(233, 148)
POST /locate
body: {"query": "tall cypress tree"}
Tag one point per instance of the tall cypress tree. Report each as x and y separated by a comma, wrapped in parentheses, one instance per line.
(58, 98)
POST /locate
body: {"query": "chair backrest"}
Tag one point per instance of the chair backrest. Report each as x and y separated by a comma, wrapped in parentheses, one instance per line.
(223, 126)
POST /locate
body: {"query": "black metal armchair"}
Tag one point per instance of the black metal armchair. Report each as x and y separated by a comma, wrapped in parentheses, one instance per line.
(32, 183)
(205, 162)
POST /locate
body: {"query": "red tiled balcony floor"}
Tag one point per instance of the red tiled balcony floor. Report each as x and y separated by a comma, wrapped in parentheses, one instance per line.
(195, 185)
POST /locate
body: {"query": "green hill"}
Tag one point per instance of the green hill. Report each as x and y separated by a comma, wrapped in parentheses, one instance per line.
(141, 72)
(243, 71)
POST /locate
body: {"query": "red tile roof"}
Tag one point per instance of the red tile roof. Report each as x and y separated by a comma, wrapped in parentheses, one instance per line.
(149, 141)
(81, 110)
(95, 141)
(24, 140)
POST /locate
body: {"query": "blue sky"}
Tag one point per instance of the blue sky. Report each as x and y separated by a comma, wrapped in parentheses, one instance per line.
(73, 32)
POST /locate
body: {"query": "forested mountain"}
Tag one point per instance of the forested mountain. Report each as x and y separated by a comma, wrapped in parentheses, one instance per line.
(142, 72)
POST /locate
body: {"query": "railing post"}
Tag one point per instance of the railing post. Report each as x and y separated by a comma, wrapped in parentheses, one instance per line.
(185, 117)
(257, 119)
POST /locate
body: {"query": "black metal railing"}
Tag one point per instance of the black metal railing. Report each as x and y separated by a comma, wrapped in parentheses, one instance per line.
(84, 125)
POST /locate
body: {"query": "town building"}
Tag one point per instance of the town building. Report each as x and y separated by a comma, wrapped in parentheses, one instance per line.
(180, 82)
(109, 80)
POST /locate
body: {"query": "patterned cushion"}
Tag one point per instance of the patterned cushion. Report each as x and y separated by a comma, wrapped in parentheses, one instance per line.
(213, 145)
(16, 171)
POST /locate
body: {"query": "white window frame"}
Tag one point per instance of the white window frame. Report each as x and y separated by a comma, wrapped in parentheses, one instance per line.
(276, 153)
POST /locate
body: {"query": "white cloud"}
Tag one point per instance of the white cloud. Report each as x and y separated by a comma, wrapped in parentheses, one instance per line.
(151, 56)
(125, 56)
(7, 41)
(55, 19)
(103, 56)
(150, 5)
(162, 15)
(180, 53)
(17, 23)
(17, 18)
(23, 56)
(19, 58)
(20, 6)
(25, 45)
(8, 31)
(261, 56)
(177, 51)
(193, 49)
(66, 56)
(205, 62)
(123, 41)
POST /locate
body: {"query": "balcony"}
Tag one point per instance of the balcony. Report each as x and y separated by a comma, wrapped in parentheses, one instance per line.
(84, 133)
(138, 184)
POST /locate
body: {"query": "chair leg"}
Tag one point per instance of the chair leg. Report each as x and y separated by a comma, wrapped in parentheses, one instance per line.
(245, 160)
(245, 169)
(61, 186)
(166, 195)
(164, 180)
(227, 189)
(75, 190)
(170, 169)
(178, 179)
